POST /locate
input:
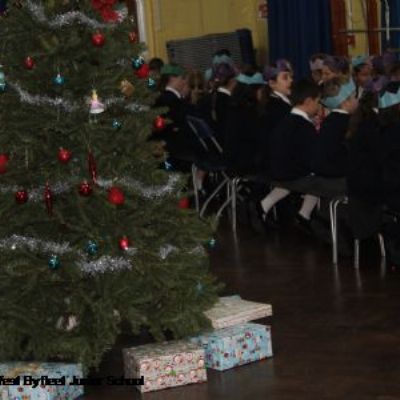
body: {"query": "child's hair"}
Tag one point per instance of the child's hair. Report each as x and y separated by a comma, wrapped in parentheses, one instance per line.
(165, 78)
(339, 65)
(358, 68)
(365, 110)
(390, 115)
(304, 89)
(331, 88)
(155, 64)
(223, 52)
(196, 84)
(318, 56)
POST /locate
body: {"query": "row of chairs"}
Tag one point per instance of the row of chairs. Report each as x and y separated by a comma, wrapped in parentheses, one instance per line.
(212, 162)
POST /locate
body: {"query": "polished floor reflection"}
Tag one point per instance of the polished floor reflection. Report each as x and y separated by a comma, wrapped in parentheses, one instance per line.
(335, 330)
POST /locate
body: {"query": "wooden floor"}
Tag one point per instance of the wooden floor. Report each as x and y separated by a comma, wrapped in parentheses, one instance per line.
(335, 331)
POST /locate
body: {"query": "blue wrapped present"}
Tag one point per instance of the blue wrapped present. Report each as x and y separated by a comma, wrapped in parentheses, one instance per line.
(237, 345)
(40, 381)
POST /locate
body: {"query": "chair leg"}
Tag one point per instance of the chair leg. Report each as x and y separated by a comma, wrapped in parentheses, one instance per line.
(195, 188)
(333, 222)
(224, 182)
(382, 245)
(235, 183)
(356, 253)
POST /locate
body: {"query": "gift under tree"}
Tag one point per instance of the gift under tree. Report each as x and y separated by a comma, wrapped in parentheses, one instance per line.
(92, 230)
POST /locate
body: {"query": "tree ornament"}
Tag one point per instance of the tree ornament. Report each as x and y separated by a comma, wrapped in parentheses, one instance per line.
(124, 243)
(184, 203)
(159, 123)
(92, 167)
(96, 106)
(116, 196)
(64, 155)
(143, 72)
(199, 288)
(133, 37)
(151, 83)
(212, 243)
(168, 166)
(3, 83)
(54, 262)
(48, 199)
(29, 62)
(59, 80)
(137, 62)
(21, 197)
(4, 159)
(117, 125)
(98, 39)
(92, 248)
(127, 88)
(85, 189)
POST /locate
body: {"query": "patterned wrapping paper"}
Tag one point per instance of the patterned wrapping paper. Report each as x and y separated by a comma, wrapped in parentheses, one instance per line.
(233, 310)
(230, 347)
(166, 364)
(37, 370)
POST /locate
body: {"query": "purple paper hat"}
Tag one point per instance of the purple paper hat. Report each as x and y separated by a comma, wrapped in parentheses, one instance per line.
(378, 65)
(273, 70)
(377, 85)
(389, 58)
(223, 71)
(337, 64)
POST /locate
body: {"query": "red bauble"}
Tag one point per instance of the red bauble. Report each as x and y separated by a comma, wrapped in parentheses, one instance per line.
(21, 197)
(133, 37)
(64, 155)
(116, 196)
(159, 123)
(124, 243)
(85, 189)
(29, 62)
(3, 163)
(98, 39)
(184, 203)
(143, 72)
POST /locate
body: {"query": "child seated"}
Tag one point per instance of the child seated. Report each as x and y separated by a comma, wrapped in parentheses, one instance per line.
(292, 146)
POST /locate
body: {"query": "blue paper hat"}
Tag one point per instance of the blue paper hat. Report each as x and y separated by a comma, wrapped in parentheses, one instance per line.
(389, 99)
(346, 90)
(359, 60)
(208, 74)
(222, 59)
(256, 79)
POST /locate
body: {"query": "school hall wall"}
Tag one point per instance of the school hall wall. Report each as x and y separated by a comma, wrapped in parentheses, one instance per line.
(180, 19)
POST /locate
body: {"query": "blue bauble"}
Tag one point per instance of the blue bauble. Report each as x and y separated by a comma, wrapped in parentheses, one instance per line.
(92, 248)
(137, 62)
(168, 166)
(54, 262)
(212, 243)
(59, 80)
(117, 125)
(151, 83)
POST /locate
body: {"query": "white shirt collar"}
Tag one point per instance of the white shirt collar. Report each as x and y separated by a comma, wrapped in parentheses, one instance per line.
(376, 110)
(282, 96)
(301, 113)
(224, 90)
(174, 91)
(340, 111)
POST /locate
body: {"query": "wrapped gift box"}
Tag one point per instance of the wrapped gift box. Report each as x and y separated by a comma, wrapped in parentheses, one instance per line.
(233, 310)
(237, 345)
(165, 365)
(52, 373)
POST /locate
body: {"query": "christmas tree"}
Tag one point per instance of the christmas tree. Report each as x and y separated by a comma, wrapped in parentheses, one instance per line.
(92, 233)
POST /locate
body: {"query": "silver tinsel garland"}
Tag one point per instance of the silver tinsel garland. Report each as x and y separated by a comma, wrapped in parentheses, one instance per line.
(70, 17)
(68, 106)
(104, 264)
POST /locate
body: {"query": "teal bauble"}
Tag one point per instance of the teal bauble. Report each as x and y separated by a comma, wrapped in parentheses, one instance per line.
(151, 83)
(59, 80)
(137, 62)
(3, 83)
(92, 248)
(212, 243)
(54, 262)
(117, 125)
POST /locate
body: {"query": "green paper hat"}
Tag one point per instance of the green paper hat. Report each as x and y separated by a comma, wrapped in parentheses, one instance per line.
(170, 69)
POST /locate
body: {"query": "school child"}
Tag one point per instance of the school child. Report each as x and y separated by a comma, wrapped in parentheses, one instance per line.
(292, 148)
(335, 67)
(316, 63)
(362, 74)
(331, 154)
(242, 134)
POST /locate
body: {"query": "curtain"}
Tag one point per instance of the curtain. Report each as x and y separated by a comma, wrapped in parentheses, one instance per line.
(298, 29)
(394, 22)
